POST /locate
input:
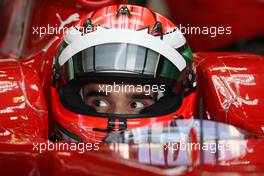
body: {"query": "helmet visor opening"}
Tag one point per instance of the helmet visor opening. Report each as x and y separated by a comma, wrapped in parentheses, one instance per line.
(119, 99)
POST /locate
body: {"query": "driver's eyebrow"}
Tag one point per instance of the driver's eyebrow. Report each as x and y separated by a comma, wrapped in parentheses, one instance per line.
(96, 94)
(140, 96)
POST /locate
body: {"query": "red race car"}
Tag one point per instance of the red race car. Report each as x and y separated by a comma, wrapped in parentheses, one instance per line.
(108, 88)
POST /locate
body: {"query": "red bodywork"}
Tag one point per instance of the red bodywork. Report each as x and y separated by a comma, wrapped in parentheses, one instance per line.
(229, 86)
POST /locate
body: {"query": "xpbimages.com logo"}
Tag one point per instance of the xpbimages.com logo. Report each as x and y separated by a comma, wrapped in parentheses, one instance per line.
(211, 31)
(211, 147)
(129, 88)
(79, 147)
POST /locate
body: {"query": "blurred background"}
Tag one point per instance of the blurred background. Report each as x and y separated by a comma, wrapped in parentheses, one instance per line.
(245, 17)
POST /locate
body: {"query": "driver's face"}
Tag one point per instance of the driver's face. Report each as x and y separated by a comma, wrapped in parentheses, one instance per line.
(95, 95)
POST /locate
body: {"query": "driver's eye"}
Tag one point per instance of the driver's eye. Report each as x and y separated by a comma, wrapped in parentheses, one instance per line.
(136, 105)
(100, 103)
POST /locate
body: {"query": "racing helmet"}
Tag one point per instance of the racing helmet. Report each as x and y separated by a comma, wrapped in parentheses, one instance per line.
(120, 45)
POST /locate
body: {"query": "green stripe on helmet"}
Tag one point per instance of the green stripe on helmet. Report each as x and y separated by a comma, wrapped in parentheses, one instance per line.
(168, 70)
(187, 54)
(71, 135)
